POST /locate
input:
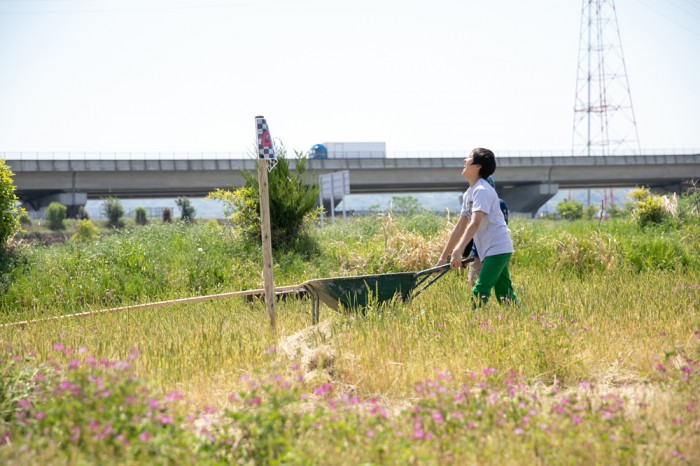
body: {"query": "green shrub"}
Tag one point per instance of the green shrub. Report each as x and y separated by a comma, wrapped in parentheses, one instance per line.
(9, 212)
(590, 211)
(652, 209)
(114, 212)
(292, 201)
(614, 211)
(570, 209)
(140, 216)
(55, 214)
(689, 203)
(186, 209)
(86, 231)
(24, 219)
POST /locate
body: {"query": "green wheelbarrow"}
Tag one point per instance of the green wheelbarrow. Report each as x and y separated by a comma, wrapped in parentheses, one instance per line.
(353, 293)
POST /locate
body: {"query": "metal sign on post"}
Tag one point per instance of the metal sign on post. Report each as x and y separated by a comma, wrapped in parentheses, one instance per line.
(266, 162)
(334, 186)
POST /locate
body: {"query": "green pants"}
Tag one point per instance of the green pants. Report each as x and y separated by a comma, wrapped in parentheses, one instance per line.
(494, 274)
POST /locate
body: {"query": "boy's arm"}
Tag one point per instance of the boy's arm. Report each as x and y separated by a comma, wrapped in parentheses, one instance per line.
(455, 236)
(469, 232)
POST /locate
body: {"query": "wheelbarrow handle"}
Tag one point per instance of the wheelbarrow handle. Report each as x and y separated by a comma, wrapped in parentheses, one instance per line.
(443, 269)
(465, 261)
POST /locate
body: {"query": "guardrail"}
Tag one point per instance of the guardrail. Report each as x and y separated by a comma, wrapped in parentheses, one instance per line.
(11, 155)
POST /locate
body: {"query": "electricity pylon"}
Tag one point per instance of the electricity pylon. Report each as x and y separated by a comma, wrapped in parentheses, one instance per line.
(604, 122)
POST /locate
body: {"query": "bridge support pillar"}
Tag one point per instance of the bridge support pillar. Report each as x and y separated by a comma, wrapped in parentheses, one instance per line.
(527, 198)
(73, 201)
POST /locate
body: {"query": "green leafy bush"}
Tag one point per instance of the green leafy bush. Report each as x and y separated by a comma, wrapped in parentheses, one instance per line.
(9, 212)
(652, 209)
(24, 219)
(590, 211)
(113, 209)
(85, 231)
(292, 201)
(55, 214)
(689, 203)
(570, 209)
(140, 216)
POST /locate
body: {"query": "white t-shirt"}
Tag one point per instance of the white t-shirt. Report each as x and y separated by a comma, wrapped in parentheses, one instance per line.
(492, 237)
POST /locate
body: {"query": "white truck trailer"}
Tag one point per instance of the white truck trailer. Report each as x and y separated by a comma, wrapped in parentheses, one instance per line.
(348, 150)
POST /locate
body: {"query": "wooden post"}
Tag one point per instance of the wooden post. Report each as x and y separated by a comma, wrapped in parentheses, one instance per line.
(266, 242)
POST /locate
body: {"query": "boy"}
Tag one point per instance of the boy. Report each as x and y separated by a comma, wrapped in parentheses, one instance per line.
(471, 251)
(481, 219)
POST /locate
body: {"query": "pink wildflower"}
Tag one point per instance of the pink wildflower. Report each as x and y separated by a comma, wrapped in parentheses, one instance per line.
(173, 396)
(323, 389)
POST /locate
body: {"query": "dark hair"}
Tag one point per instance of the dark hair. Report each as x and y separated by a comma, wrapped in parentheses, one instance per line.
(486, 159)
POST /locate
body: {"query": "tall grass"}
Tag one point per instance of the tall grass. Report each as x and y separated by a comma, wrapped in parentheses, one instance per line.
(599, 365)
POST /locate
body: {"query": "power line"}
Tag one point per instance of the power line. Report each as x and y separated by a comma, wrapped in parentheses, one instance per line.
(668, 18)
(693, 4)
(684, 10)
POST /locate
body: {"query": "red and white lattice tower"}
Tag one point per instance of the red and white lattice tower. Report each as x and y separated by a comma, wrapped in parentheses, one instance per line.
(604, 122)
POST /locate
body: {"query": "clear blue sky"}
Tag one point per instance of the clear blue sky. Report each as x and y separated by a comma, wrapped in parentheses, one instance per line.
(190, 75)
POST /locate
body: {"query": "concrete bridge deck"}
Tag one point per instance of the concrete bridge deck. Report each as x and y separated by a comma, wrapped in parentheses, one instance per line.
(524, 182)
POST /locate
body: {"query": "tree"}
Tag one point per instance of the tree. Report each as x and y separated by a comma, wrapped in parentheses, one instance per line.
(9, 210)
(570, 210)
(167, 215)
(292, 201)
(114, 211)
(407, 205)
(186, 209)
(55, 214)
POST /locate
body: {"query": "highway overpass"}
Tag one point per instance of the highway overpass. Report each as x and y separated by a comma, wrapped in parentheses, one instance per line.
(525, 182)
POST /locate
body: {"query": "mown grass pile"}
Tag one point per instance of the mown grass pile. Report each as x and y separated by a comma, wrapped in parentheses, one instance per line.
(599, 365)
